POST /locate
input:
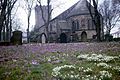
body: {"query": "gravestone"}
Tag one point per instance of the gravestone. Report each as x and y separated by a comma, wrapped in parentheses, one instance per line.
(108, 37)
(43, 38)
(16, 38)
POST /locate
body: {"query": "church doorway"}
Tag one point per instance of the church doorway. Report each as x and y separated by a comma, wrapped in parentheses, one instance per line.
(84, 36)
(63, 38)
(43, 38)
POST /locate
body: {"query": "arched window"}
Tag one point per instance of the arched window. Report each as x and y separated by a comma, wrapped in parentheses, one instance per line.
(50, 27)
(91, 25)
(77, 27)
(83, 22)
(73, 26)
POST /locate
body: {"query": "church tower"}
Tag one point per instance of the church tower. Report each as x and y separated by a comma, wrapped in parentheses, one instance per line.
(38, 15)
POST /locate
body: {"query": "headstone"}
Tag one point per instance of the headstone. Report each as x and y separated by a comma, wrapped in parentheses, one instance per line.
(43, 38)
(16, 39)
(108, 37)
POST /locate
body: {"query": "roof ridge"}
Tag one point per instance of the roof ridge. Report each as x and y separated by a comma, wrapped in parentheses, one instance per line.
(67, 9)
(80, 8)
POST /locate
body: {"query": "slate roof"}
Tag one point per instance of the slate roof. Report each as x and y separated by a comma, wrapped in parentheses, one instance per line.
(79, 8)
(63, 15)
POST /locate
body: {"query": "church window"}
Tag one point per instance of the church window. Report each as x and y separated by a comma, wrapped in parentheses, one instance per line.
(73, 26)
(83, 22)
(90, 24)
(50, 27)
(77, 27)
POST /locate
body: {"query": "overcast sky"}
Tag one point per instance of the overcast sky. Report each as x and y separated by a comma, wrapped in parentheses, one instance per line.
(63, 5)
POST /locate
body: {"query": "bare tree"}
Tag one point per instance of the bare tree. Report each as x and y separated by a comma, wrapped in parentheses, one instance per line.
(10, 6)
(51, 5)
(49, 13)
(6, 7)
(111, 15)
(29, 6)
(116, 1)
(96, 17)
(15, 21)
(16, 24)
(3, 6)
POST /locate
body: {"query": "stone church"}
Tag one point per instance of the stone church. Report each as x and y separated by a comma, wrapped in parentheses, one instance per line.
(73, 25)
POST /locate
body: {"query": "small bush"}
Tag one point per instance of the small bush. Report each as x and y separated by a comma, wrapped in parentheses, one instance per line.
(108, 37)
(116, 39)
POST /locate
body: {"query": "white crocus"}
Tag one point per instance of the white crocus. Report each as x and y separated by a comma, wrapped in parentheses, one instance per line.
(104, 65)
(105, 74)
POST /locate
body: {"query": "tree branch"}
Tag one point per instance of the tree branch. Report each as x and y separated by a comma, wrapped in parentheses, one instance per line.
(90, 11)
(42, 12)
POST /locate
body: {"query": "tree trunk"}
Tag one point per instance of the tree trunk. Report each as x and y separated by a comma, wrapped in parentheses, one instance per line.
(0, 35)
(28, 35)
(4, 36)
(2, 16)
(47, 32)
(8, 21)
(7, 34)
(108, 32)
(96, 18)
(7, 28)
(97, 21)
(48, 20)
(98, 28)
(10, 27)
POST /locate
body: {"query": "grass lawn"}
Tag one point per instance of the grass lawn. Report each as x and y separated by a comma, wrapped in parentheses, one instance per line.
(71, 61)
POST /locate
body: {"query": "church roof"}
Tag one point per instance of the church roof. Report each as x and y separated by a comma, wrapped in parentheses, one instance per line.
(79, 8)
(63, 15)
